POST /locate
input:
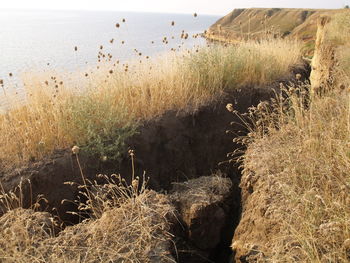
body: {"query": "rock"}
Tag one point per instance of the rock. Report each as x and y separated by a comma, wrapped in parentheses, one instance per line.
(200, 206)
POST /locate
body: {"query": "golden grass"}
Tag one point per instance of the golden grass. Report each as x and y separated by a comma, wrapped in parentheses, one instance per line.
(300, 157)
(128, 224)
(103, 107)
(338, 35)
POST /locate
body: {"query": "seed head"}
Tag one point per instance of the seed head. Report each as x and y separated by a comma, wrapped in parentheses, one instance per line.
(195, 15)
(117, 25)
(10, 74)
(75, 48)
(123, 20)
(229, 107)
(135, 184)
(75, 149)
(173, 23)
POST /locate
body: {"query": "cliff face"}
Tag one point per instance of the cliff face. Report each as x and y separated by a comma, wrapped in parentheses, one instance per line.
(256, 23)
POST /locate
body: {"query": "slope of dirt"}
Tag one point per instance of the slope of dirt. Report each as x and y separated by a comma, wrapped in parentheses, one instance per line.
(258, 23)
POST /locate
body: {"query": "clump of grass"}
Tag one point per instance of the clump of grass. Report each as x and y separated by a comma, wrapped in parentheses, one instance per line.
(298, 160)
(99, 113)
(250, 63)
(127, 223)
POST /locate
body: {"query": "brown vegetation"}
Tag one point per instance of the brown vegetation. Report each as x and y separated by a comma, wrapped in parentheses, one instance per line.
(107, 107)
(295, 171)
(256, 23)
(128, 224)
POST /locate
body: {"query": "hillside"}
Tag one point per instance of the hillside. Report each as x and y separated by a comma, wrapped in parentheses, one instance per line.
(261, 22)
(295, 183)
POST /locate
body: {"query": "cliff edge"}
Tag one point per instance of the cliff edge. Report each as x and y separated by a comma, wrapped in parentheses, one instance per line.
(257, 23)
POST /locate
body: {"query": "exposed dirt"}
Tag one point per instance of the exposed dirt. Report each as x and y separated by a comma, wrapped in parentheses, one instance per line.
(207, 215)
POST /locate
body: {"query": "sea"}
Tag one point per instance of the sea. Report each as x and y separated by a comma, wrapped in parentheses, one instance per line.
(39, 41)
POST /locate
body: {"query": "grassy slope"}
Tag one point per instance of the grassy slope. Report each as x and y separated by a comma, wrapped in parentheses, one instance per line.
(105, 110)
(257, 22)
(296, 182)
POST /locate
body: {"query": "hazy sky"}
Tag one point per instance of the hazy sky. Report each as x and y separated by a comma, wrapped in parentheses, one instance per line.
(220, 7)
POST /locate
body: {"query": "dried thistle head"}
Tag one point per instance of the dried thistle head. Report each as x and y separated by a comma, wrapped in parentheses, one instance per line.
(229, 107)
(75, 149)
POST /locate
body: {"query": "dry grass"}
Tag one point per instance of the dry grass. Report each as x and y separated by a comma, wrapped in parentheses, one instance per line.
(103, 108)
(338, 34)
(298, 158)
(128, 224)
(203, 191)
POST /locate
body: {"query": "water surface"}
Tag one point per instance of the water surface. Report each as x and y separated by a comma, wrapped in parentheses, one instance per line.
(45, 40)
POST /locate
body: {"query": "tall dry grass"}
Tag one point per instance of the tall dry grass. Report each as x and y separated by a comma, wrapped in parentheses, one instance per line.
(299, 156)
(104, 106)
(128, 223)
(338, 35)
